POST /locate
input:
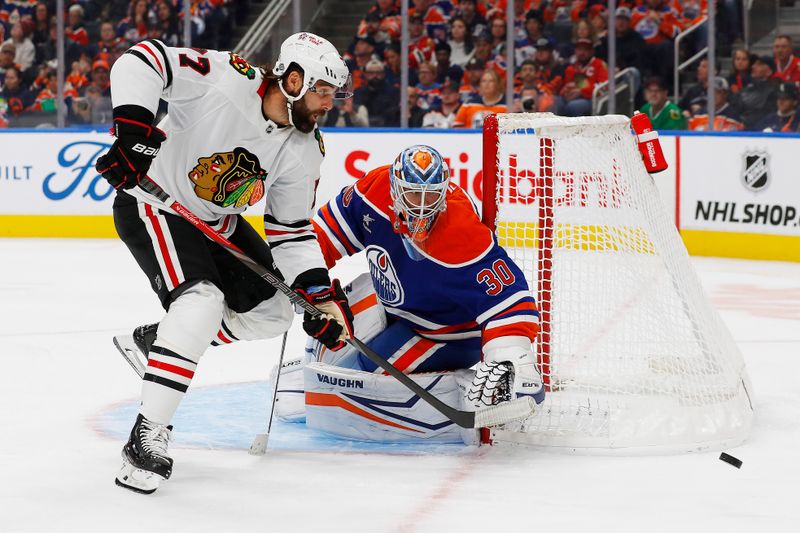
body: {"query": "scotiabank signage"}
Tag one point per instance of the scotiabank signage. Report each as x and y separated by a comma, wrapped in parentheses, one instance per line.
(350, 155)
(741, 184)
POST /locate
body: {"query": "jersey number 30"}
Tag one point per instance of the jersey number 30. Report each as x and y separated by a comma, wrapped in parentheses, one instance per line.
(497, 277)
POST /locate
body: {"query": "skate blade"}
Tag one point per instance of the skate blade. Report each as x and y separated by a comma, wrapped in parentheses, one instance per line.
(137, 480)
(127, 348)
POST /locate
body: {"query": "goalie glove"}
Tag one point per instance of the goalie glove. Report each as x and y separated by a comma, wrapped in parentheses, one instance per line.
(335, 325)
(508, 371)
(127, 161)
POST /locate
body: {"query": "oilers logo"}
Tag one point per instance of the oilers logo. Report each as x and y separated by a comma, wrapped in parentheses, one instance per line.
(384, 278)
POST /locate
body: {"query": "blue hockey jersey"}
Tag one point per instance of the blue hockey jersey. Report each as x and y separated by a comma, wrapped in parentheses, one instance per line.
(464, 287)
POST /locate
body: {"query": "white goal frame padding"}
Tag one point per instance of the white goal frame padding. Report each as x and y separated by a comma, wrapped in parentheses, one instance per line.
(633, 355)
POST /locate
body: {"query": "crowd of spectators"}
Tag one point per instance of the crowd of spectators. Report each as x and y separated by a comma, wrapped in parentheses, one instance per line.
(458, 60)
(96, 33)
(458, 63)
(759, 94)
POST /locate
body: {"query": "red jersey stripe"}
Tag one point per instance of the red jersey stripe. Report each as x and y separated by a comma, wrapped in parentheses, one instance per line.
(170, 368)
(414, 353)
(143, 45)
(162, 245)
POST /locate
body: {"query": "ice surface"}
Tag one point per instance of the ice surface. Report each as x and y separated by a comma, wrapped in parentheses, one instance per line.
(68, 399)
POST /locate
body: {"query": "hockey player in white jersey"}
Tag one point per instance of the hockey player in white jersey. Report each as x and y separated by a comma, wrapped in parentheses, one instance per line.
(234, 135)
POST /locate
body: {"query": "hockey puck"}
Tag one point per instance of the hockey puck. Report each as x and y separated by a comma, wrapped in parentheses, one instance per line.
(731, 460)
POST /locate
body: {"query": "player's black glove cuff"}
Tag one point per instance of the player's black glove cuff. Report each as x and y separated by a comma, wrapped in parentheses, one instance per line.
(336, 325)
(129, 158)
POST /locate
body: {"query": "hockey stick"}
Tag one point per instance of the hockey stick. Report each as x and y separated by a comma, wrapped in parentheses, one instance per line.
(482, 417)
(259, 445)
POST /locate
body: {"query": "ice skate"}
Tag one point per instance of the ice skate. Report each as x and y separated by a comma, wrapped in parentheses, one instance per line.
(145, 460)
(134, 348)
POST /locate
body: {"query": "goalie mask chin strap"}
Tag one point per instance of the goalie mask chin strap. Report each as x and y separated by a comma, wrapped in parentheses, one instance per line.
(290, 100)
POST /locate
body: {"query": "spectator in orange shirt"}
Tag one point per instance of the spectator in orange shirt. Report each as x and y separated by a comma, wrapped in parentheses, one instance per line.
(472, 115)
(421, 47)
(658, 24)
(580, 79)
(787, 66)
(656, 21)
(371, 26)
(433, 16)
(76, 78)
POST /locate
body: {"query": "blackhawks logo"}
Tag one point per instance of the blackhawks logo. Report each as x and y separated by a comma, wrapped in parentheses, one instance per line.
(229, 179)
(318, 137)
(241, 66)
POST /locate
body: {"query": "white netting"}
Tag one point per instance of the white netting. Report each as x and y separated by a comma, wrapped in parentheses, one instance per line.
(633, 353)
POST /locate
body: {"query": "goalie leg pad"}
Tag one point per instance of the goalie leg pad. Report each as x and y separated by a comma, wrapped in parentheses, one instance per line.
(290, 403)
(373, 407)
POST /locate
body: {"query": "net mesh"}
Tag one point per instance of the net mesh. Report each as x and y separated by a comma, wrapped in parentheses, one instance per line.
(630, 349)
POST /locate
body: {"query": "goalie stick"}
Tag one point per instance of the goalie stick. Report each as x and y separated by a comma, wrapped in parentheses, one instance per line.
(483, 417)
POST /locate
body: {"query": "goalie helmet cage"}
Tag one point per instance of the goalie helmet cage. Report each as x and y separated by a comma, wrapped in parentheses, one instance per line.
(632, 354)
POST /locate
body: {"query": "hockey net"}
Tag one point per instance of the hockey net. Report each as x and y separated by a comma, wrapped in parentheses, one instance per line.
(632, 354)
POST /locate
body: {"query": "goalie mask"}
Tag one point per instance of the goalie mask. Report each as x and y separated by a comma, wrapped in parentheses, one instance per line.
(418, 182)
(319, 60)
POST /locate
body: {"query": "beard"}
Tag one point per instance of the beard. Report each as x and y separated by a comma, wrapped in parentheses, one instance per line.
(304, 120)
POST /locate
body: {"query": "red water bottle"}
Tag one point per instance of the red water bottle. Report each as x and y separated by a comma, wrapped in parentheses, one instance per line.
(649, 145)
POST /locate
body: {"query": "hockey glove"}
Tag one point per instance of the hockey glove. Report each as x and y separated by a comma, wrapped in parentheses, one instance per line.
(129, 158)
(335, 325)
(508, 371)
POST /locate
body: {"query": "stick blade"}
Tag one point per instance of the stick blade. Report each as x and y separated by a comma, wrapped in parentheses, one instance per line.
(259, 445)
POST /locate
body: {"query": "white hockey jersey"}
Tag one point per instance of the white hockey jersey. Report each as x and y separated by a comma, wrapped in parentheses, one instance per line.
(222, 154)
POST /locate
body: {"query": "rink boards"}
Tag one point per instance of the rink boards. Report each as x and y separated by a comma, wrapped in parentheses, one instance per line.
(731, 195)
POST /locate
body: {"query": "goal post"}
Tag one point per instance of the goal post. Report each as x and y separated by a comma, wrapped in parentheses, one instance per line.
(632, 354)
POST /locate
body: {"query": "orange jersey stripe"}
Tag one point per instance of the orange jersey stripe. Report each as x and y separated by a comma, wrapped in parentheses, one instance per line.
(364, 304)
(334, 226)
(331, 400)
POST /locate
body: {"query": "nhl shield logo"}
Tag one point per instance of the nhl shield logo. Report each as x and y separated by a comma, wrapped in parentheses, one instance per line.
(755, 170)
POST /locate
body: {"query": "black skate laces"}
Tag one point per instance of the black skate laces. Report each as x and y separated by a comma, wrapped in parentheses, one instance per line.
(155, 438)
